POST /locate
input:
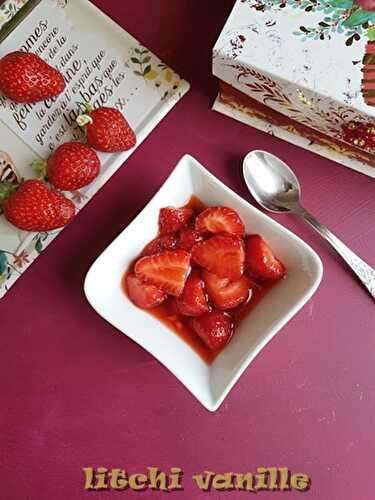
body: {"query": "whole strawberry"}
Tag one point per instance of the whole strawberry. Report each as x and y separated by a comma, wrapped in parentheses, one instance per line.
(107, 130)
(26, 78)
(72, 166)
(36, 207)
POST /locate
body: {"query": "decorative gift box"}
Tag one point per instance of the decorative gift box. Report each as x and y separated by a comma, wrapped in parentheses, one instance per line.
(303, 70)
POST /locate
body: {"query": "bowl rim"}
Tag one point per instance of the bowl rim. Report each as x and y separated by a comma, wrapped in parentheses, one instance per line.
(186, 162)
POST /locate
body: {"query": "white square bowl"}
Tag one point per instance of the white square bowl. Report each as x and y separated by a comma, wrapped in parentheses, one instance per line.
(208, 383)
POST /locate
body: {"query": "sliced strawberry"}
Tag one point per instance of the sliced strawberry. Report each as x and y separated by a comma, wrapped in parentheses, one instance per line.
(223, 255)
(214, 328)
(167, 270)
(188, 238)
(219, 220)
(260, 260)
(193, 301)
(173, 219)
(227, 294)
(143, 295)
(157, 245)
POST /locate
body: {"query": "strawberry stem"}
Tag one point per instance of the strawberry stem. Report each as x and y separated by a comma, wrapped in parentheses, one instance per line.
(85, 117)
(83, 120)
(41, 169)
(85, 107)
(88, 108)
(6, 190)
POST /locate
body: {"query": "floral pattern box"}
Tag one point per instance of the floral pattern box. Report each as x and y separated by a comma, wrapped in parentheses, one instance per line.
(103, 65)
(303, 70)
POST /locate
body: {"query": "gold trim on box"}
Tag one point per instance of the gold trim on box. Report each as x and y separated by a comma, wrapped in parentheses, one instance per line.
(368, 93)
(369, 59)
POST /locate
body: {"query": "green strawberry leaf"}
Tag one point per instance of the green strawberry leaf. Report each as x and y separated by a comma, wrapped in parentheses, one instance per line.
(40, 167)
(38, 245)
(341, 4)
(3, 262)
(6, 189)
(359, 17)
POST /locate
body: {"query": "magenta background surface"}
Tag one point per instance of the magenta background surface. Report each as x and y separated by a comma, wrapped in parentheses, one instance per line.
(75, 392)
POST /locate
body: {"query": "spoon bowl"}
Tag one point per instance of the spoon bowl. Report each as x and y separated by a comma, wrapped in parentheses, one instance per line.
(271, 182)
(275, 187)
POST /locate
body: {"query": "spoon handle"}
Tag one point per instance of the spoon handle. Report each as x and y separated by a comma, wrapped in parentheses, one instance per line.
(365, 273)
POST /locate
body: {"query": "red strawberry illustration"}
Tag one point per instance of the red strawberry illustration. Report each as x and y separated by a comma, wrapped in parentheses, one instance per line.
(366, 4)
(26, 78)
(106, 129)
(36, 207)
(361, 135)
(72, 166)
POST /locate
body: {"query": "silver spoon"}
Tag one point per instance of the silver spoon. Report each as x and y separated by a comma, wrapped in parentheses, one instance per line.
(275, 187)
